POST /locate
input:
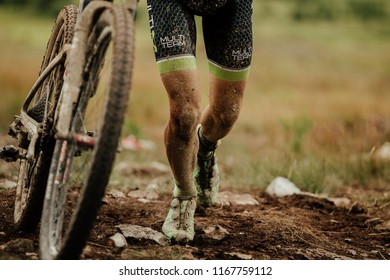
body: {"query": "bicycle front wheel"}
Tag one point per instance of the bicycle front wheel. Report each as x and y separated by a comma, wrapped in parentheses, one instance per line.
(95, 129)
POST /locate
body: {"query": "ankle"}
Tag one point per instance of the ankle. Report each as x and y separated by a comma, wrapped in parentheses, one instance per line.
(206, 147)
(183, 194)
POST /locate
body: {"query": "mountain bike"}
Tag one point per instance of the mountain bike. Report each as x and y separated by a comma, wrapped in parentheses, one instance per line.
(70, 124)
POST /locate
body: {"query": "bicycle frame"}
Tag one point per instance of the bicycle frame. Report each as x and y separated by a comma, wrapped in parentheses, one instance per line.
(32, 126)
(26, 124)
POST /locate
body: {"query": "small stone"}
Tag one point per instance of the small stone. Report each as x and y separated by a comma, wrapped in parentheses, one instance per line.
(152, 187)
(139, 232)
(385, 225)
(353, 252)
(144, 200)
(216, 232)
(150, 195)
(229, 198)
(340, 201)
(383, 152)
(119, 240)
(281, 186)
(240, 256)
(7, 184)
(32, 256)
(117, 194)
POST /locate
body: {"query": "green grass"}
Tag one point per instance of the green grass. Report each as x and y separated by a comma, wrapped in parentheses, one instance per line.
(317, 100)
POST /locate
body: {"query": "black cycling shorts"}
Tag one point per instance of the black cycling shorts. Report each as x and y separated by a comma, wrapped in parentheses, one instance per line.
(227, 31)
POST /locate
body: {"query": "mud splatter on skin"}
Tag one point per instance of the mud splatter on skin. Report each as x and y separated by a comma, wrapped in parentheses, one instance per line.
(225, 103)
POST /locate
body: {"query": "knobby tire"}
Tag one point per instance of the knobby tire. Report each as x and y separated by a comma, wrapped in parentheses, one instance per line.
(33, 175)
(57, 242)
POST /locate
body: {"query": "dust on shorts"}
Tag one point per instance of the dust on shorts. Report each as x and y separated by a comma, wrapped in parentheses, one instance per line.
(227, 31)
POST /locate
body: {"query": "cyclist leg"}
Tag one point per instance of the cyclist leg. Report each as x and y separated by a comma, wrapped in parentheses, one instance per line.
(174, 35)
(228, 39)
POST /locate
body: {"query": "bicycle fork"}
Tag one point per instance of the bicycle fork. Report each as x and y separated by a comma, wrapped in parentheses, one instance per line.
(72, 82)
(73, 77)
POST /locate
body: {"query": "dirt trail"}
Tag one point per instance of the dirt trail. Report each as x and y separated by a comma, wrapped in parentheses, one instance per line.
(294, 227)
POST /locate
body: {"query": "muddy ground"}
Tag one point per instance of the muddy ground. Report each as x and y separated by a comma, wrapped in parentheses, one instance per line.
(294, 227)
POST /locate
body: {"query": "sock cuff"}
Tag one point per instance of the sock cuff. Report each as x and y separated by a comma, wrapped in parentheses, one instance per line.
(206, 147)
(178, 192)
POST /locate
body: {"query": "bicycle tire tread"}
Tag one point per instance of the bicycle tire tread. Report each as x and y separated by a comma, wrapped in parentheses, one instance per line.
(103, 159)
(31, 213)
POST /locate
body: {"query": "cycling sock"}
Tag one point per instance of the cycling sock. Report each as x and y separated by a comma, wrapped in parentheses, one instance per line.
(206, 147)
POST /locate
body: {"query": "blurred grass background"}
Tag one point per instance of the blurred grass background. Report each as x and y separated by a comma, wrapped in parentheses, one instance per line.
(317, 101)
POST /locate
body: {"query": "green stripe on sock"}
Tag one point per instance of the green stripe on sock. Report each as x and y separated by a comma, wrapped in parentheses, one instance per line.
(228, 75)
(177, 64)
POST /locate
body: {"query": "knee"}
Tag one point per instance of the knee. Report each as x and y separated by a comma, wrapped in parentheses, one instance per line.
(226, 117)
(183, 121)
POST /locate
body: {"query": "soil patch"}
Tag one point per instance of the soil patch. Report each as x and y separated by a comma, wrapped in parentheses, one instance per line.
(293, 227)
